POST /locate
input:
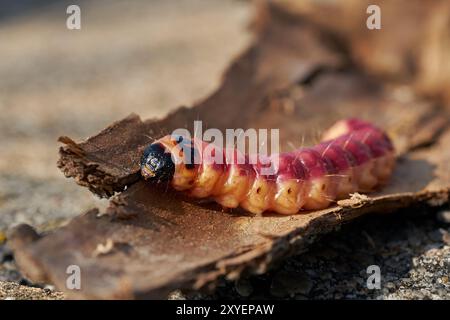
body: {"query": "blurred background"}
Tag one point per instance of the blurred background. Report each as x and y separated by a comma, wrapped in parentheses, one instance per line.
(147, 57)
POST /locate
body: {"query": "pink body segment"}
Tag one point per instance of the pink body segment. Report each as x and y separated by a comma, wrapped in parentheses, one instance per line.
(355, 156)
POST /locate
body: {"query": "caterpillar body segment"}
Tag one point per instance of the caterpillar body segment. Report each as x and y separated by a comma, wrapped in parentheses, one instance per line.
(354, 156)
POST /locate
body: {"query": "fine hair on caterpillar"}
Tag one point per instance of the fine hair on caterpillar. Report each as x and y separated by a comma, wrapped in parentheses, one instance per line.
(353, 156)
(239, 146)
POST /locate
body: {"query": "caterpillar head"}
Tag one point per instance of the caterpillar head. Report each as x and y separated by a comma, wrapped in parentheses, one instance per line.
(157, 164)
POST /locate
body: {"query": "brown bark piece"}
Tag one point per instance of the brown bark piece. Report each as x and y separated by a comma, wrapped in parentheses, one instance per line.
(152, 240)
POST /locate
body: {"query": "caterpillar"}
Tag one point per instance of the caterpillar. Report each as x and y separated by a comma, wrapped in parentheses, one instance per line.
(354, 156)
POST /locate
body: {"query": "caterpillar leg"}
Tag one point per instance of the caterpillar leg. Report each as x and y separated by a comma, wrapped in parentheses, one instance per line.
(290, 196)
(259, 196)
(365, 177)
(321, 193)
(383, 167)
(346, 184)
(233, 186)
(207, 178)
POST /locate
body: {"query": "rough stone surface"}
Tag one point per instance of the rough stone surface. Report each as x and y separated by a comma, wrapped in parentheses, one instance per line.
(15, 291)
(409, 247)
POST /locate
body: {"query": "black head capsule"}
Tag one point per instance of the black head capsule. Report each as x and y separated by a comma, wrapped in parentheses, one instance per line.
(157, 164)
